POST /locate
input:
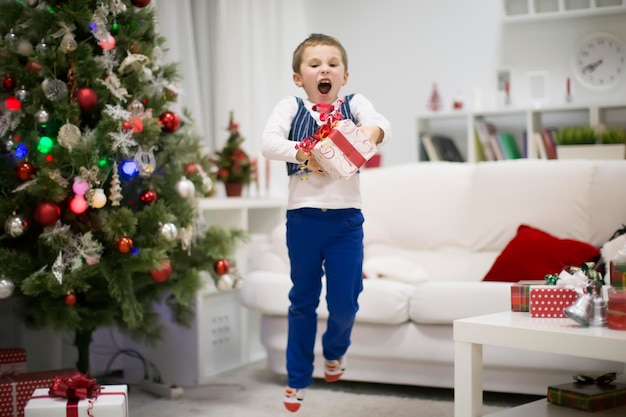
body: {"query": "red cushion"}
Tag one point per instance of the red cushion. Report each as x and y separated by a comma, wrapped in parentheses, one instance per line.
(533, 253)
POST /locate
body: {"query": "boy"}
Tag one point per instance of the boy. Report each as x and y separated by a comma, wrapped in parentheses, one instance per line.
(324, 219)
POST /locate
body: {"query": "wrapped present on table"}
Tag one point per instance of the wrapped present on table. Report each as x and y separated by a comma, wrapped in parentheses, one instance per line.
(520, 294)
(63, 400)
(338, 145)
(15, 390)
(12, 361)
(549, 301)
(588, 394)
(617, 274)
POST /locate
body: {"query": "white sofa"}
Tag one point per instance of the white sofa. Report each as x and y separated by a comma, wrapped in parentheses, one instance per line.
(432, 232)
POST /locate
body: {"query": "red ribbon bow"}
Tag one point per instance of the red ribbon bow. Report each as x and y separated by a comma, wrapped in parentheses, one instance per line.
(328, 115)
(74, 387)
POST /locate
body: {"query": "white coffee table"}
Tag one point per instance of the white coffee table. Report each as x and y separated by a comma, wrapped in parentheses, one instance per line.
(519, 330)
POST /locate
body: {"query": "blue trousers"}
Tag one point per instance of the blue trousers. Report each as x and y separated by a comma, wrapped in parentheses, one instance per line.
(322, 242)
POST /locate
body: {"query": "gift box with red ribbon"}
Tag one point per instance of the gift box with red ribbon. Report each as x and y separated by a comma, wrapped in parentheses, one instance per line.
(549, 301)
(97, 401)
(344, 150)
(15, 390)
(520, 294)
(588, 397)
(12, 361)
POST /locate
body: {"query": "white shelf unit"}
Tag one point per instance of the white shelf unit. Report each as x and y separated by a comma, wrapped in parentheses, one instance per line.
(224, 335)
(459, 125)
(535, 10)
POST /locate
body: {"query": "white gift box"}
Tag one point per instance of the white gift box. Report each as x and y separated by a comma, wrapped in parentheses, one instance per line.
(112, 402)
(344, 150)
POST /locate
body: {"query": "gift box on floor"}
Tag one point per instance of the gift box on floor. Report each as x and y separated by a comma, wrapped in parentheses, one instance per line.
(618, 274)
(590, 397)
(111, 402)
(12, 361)
(549, 301)
(520, 294)
(15, 390)
(344, 150)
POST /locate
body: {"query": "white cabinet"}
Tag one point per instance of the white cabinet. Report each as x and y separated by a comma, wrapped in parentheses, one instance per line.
(532, 10)
(460, 125)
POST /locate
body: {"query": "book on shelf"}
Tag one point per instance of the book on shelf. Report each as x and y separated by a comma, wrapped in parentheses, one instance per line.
(485, 133)
(548, 134)
(441, 148)
(508, 144)
(540, 146)
(423, 155)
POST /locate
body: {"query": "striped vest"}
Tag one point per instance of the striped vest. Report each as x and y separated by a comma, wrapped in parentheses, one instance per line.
(304, 125)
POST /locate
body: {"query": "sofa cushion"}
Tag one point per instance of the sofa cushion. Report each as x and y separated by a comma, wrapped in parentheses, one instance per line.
(533, 253)
(445, 301)
(382, 301)
(394, 268)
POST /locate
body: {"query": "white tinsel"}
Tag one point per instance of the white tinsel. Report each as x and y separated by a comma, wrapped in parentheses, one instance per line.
(9, 121)
(58, 229)
(114, 85)
(107, 60)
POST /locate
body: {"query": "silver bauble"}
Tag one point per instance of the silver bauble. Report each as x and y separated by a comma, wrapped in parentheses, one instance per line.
(6, 288)
(42, 116)
(185, 188)
(169, 231)
(54, 90)
(15, 226)
(42, 47)
(225, 283)
(10, 38)
(22, 95)
(31, 3)
(69, 136)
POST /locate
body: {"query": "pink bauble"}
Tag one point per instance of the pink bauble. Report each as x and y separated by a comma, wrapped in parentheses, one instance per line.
(78, 204)
(107, 43)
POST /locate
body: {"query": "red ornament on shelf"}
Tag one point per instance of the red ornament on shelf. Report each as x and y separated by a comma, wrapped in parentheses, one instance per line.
(149, 197)
(47, 213)
(24, 171)
(221, 267)
(140, 3)
(169, 122)
(124, 244)
(8, 83)
(163, 273)
(87, 99)
(434, 103)
(70, 299)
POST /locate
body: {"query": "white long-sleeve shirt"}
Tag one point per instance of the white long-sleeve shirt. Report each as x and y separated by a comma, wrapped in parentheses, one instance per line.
(315, 191)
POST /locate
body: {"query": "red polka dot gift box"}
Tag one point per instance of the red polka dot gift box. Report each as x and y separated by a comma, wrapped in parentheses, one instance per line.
(549, 301)
(12, 361)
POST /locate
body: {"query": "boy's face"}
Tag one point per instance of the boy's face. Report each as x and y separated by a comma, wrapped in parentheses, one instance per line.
(322, 73)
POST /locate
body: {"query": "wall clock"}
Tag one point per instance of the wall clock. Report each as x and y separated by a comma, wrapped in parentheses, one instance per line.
(600, 61)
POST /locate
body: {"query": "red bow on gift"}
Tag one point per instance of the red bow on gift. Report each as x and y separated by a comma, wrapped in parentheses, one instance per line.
(74, 387)
(328, 115)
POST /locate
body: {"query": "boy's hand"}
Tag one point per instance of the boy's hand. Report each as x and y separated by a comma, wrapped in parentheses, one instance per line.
(312, 163)
(374, 133)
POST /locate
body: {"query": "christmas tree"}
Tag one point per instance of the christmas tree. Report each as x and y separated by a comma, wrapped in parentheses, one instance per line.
(98, 176)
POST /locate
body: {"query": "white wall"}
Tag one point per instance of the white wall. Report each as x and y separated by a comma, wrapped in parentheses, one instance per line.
(397, 49)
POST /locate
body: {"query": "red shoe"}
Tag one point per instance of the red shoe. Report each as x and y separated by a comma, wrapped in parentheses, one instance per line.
(334, 369)
(293, 398)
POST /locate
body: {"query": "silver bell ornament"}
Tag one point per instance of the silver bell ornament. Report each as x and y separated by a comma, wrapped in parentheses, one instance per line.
(600, 308)
(581, 310)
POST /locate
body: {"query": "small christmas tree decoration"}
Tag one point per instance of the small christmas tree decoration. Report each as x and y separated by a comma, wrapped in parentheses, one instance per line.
(42, 117)
(25, 171)
(163, 273)
(169, 122)
(22, 95)
(6, 287)
(15, 226)
(8, 83)
(115, 194)
(70, 299)
(87, 99)
(149, 197)
(434, 102)
(221, 267)
(47, 213)
(124, 244)
(54, 90)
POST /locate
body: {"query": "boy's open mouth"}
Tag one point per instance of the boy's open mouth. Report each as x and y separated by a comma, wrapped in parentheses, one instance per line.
(324, 86)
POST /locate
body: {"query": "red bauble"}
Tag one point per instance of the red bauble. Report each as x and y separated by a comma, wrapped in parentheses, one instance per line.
(87, 99)
(221, 267)
(136, 125)
(124, 244)
(47, 213)
(70, 299)
(140, 3)
(8, 83)
(163, 273)
(190, 169)
(149, 197)
(33, 66)
(24, 171)
(169, 122)
(12, 104)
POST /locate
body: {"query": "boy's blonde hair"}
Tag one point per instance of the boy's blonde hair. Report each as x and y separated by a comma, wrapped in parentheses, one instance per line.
(313, 40)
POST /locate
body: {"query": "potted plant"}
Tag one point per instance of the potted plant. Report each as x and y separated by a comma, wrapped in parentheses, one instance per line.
(234, 167)
(585, 142)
